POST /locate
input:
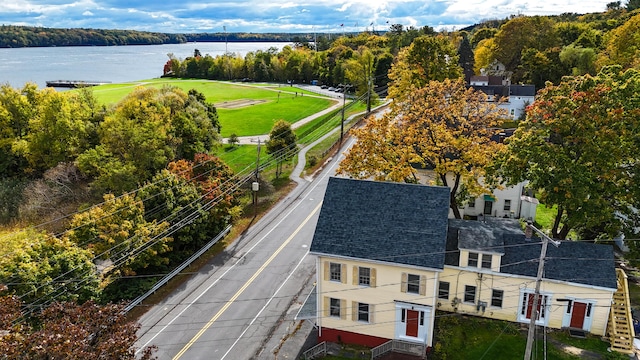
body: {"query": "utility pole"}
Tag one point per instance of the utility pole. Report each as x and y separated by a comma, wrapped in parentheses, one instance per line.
(369, 95)
(255, 186)
(536, 296)
(344, 100)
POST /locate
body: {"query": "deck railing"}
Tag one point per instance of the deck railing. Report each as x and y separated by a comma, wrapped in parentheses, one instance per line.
(320, 349)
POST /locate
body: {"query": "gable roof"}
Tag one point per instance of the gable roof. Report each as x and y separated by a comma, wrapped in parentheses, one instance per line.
(573, 261)
(382, 221)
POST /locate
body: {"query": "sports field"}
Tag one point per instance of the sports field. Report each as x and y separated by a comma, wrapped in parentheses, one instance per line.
(244, 109)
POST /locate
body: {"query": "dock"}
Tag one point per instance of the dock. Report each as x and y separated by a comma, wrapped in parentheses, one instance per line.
(74, 83)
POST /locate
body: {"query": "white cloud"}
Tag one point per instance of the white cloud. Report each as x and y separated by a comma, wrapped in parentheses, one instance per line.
(275, 15)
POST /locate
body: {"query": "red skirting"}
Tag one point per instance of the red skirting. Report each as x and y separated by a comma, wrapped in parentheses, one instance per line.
(341, 336)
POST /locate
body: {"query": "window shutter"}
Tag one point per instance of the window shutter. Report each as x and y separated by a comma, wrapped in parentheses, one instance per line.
(343, 309)
(354, 311)
(371, 311)
(326, 270)
(343, 273)
(423, 285)
(403, 284)
(373, 277)
(356, 275)
(326, 307)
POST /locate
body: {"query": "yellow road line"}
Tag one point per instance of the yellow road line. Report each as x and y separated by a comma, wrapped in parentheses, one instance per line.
(244, 287)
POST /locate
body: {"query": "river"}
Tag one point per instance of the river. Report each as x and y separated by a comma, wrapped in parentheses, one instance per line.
(105, 63)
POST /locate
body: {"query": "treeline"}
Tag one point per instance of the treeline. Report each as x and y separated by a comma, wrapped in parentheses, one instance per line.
(345, 59)
(28, 36)
(12, 36)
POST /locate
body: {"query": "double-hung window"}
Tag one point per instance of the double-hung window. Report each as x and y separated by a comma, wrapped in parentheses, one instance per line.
(496, 297)
(469, 294)
(473, 259)
(335, 272)
(443, 290)
(364, 276)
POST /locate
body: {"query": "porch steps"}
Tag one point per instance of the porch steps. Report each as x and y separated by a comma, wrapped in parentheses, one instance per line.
(620, 326)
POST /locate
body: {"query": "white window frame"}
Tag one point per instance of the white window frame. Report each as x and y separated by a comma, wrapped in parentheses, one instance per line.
(545, 307)
(332, 272)
(364, 279)
(475, 293)
(494, 297)
(440, 290)
(507, 205)
(333, 307)
(476, 260)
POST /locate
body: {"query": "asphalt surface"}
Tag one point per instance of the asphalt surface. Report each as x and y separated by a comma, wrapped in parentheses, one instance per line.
(242, 304)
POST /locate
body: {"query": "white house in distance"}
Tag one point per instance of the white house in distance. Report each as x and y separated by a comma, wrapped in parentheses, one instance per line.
(517, 97)
(513, 202)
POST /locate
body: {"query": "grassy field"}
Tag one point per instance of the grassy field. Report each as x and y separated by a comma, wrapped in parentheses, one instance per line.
(271, 103)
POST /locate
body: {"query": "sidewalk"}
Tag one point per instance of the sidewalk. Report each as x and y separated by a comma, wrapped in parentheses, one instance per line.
(248, 140)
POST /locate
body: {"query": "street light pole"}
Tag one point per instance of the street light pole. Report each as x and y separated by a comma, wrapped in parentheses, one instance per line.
(536, 296)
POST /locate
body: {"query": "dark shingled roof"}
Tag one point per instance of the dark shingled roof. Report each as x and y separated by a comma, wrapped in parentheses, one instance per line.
(382, 221)
(573, 261)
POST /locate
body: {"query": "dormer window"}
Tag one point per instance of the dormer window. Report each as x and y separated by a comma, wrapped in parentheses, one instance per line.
(473, 259)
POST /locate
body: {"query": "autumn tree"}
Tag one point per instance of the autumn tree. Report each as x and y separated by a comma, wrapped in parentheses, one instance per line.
(623, 45)
(40, 268)
(359, 72)
(65, 330)
(281, 144)
(148, 129)
(58, 130)
(443, 126)
(117, 233)
(578, 147)
(427, 58)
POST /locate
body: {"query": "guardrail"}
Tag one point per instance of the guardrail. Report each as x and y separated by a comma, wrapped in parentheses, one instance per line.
(320, 349)
(177, 270)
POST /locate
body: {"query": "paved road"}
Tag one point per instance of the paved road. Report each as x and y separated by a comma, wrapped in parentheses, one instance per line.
(230, 309)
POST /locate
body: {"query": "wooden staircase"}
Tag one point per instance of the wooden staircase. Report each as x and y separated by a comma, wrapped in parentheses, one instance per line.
(620, 330)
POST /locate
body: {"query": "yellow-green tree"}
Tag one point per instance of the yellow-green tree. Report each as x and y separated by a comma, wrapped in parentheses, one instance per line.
(443, 126)
(359, 72)
(117, 232)
(623, 45)
(40, 268)
(427, 58)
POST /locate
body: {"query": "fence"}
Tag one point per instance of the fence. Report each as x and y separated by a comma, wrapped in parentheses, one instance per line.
(177, 270)
(399, 346)
(320, 349)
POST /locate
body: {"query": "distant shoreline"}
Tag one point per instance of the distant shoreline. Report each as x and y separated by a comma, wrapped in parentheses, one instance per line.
(26, 36)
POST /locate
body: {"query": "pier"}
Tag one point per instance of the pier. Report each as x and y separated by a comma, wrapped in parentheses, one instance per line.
(74, 83)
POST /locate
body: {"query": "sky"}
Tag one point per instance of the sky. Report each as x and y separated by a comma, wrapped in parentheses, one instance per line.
(259, 16)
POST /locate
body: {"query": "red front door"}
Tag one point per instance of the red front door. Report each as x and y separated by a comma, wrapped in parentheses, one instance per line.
(577, 315)
(412, 323)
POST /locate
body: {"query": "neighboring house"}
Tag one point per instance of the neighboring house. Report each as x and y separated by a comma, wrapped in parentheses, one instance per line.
(514, 202)
(515, 98)
(510, 202)
(388, 257)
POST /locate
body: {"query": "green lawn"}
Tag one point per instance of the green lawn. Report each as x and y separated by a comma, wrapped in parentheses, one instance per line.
(239, 158)
(276, 103)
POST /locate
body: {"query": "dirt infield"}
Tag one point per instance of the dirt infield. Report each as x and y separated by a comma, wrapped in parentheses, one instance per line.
(237, 104)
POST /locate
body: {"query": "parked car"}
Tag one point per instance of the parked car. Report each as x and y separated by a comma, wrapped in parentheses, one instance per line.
(331, 89)
(323, 87)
